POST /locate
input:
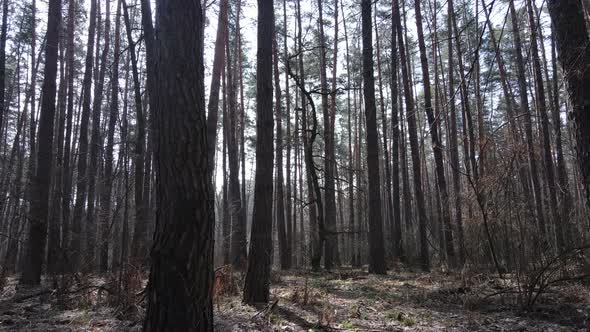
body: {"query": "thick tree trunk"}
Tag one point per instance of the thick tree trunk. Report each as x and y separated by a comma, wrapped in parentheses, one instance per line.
(181, 277)
(42, 180)
(574, 55)
(257, 283)
(377, 250)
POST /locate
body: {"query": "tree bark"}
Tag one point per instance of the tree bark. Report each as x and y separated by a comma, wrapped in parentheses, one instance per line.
(181, 277)
(329, 194)
(396, 230)
(42, 180)
(415, 149)
(218, 63)
(284, 254)
(82, 181)
(542, 109)
(105, 198)
(574, 56)
(525, 110)
(436, 144)
(377, 250)
(257, 282)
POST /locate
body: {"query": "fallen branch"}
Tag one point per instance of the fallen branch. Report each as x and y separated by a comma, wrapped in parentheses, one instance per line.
(266, 309)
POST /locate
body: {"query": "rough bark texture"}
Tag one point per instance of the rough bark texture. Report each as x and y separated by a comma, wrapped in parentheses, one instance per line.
(181, 277)
(377, 250)
(257, 283)
(574, 55)
(42, 180)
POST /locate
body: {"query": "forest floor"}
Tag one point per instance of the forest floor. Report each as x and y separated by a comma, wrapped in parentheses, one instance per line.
(347, 300)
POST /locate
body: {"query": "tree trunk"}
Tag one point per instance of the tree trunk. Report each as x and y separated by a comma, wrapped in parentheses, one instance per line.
(95, 145)
(571, 34)
(42, 180)
(3, 33)
(289, 207)
(105, 199)
(81, 186)
(377, 250)
(525, 110)
(562, 176)
(436, 144)
(284, 254)
(181, 277)
(257, 282)
(239, 244)
(139, 240)
(542, 108)
(218, 64)
(396, 230)
(67, 179)
(329, 195)
(415, 149)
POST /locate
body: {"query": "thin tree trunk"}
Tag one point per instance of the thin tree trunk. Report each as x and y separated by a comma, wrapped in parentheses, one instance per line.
(388, 196)
(82, 181)
(416, 165)
(218, 64)
(289, 204)
(396, 230)
(436, 144)
(139, 240)
(285, 255)
(525, 110)
(95, 145)
(105, 198)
